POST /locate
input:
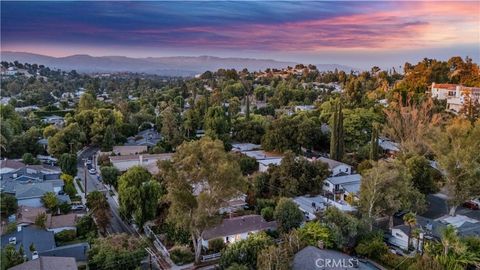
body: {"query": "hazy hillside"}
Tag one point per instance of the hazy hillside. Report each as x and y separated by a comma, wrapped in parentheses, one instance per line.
(178, 65)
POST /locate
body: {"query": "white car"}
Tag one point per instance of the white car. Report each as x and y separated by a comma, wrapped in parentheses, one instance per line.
(78, 207)
(92, 171)
(476, 201)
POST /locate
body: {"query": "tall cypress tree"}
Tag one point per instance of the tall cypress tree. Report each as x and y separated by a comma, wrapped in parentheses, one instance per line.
(247, 115)
(337, 143)
(341, 132)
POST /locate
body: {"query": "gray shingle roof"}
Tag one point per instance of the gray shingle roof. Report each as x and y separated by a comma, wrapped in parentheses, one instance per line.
(306, 259)
(34, 190)
(48, 263)
(41, 239)
(238, 225)
(77, 251)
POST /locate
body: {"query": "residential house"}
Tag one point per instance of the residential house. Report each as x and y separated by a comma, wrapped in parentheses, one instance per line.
(11, 71)
(28, 183)
(344, 187)
(431, 230)
(456, 95)
(242, 147)
(264, 159)
(264, 164)
(304, 108)
(335, 167)
(48, 263)
(27, 108)
(124, 150)
(54, 120)
(31, 194)
(8, 165)
(26, 216)
(49, 160)
(123, 163)
(234, 205)
(61, 223)
(149, 137)
(390, 148)
(313, 258)
(237, 228)
(44, 243)
(312, 205)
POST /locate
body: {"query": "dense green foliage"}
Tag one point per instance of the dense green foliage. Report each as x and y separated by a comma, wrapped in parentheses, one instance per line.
(119, 251)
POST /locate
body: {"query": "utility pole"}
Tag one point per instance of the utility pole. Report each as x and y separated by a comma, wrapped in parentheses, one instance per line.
(85, 179)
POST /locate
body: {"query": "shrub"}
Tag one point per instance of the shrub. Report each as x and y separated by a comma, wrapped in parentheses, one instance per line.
(262, 203)
(287, 215)
(11, 227)
(86, 227)
(216, 245)
(313, 232)
(70, 190)
(267, 213)
(175, 236)
(41, 220)
(65, 208)
(181, 255)
(372, 246)
(66, 236)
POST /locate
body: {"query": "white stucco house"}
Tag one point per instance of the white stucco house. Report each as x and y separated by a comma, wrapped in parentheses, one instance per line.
(455, 95)
(335, 167)
(399, 237)
(264, 164)
(312, 205)
(237, 228)
(343, 186)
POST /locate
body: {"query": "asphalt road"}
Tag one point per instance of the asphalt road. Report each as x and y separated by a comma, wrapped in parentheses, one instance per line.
(117, 225)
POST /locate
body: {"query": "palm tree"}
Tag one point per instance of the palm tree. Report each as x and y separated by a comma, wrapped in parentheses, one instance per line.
(410, 219)
(452, 253)
(416, 234)
(449, 239)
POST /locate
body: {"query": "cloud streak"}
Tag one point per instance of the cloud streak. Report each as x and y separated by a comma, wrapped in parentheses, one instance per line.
(307, 27)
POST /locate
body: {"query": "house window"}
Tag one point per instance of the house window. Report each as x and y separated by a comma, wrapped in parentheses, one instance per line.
(327, 184)
(399, 235)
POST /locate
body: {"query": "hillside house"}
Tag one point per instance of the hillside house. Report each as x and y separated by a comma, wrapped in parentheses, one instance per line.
(123, 163)
(28, 183)
(237, 228)
(343, 188)
(455, 95)
(336, 167)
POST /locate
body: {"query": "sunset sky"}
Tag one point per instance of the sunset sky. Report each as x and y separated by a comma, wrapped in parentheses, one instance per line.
(356, 33)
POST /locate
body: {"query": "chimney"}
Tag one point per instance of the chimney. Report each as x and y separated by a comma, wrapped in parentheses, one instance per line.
(320, 244)
(457, 91)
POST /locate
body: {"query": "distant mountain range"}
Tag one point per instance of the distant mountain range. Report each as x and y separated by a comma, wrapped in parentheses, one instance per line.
(168, 66)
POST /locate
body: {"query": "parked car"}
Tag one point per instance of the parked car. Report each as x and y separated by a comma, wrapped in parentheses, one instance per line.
(78, 207)
(92, 171)
(476, 201)
(471, 205)
(89, 161)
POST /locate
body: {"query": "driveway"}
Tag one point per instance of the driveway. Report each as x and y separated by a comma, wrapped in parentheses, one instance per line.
(437, 206)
